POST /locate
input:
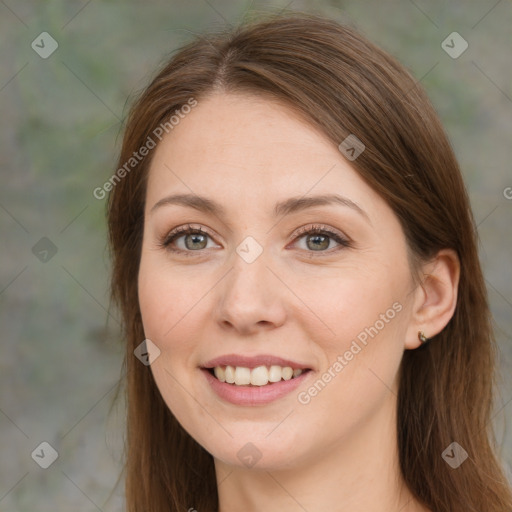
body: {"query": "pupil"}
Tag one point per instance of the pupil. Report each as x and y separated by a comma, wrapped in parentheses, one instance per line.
(316, 238)
(196, 238)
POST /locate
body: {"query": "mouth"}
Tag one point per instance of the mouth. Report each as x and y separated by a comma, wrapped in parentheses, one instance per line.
(255, 377)
(254, 385)
(255, 380)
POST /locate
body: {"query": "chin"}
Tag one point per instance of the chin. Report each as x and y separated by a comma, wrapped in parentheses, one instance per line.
(258, 452)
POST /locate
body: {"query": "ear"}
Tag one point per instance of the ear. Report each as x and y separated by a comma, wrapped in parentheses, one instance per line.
(435, 297)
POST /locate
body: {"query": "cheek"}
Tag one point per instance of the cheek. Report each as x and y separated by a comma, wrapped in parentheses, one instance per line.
(355, 305)
(365, 317)
(165, 299)
(359, 379)
(173, 309)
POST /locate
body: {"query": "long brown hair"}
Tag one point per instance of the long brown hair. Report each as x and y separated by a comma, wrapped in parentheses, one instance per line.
(343, 84)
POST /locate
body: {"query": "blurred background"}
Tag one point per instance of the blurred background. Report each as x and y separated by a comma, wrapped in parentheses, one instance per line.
(69, 70)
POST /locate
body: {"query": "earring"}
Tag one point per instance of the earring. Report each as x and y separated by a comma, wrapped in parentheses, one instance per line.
(422, 337)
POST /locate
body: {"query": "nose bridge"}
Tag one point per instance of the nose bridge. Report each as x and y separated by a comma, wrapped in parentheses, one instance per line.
(248, 297)
(249, 273)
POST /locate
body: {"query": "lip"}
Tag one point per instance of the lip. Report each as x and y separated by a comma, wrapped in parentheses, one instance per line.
(254, 361)
(253, 395)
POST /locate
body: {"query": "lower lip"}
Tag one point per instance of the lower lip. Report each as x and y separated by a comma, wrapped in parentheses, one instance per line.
(253, 395)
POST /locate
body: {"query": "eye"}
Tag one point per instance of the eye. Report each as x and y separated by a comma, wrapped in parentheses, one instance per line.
(318, 238)
(194, 239)
(187, 239)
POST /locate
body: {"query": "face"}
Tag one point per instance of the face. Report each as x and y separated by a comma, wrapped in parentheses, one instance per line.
(261, 277)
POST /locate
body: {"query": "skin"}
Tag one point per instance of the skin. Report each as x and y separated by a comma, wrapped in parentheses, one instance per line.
(295, 300)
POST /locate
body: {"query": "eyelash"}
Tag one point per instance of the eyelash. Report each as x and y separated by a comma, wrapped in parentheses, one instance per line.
(306, 230)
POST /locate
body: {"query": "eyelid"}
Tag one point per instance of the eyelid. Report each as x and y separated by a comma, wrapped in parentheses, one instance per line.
(319, 228)
(180, 231)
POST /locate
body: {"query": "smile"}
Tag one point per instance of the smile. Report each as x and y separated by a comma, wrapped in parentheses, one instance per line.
(259, 376)
(254, 380)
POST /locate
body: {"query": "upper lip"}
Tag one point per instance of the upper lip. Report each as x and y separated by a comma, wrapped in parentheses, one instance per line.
(253, 361)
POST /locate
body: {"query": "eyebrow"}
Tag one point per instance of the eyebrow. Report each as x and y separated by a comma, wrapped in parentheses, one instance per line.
(286, 207)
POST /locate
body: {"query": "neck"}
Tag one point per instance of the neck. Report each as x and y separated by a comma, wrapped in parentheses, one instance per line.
(360, 473)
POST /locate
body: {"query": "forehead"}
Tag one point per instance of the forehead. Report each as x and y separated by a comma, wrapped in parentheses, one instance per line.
(248, 151)
(225, 127)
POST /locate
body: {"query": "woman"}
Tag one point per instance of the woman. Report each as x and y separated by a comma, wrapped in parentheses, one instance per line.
(295, 259)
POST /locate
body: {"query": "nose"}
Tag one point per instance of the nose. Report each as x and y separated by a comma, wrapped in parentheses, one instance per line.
(251, 297)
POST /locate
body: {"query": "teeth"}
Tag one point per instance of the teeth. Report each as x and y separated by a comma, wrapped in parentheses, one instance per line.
(229, 374)
(220, 373)
(242, 376)
(274, 374)
(287, 373)
(260, 376)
